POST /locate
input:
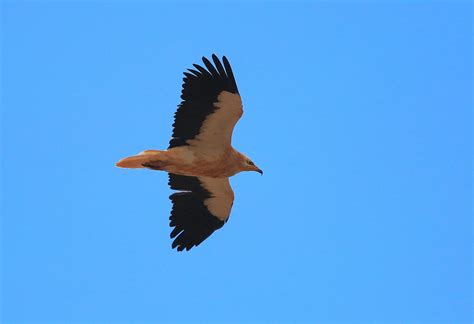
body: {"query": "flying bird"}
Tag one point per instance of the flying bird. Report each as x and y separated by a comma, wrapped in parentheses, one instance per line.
(200, 157)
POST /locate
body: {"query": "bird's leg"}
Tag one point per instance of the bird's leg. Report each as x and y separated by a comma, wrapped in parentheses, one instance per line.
(154, 165)
(151, 159)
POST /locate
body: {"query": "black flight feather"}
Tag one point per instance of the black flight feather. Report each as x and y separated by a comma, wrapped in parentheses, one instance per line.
(201, 88)
(192, 221)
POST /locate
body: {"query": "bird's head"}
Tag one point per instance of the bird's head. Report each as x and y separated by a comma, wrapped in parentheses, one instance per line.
(248, 165)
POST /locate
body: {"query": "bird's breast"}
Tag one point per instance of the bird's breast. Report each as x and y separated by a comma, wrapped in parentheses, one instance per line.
(186, 161)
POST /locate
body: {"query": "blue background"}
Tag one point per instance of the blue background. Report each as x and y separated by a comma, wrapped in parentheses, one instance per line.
(359, 114)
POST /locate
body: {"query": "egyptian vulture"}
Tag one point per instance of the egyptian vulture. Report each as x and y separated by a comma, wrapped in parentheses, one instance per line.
(200, 157)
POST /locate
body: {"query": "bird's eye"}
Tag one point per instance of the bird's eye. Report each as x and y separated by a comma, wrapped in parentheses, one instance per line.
(250, 162)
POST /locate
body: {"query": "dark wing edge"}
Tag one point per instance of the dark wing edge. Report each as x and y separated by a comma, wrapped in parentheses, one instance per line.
(192, 221)
(201, 88)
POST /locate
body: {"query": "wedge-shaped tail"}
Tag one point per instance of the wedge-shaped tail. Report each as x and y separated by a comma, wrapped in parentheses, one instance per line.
(146, 159)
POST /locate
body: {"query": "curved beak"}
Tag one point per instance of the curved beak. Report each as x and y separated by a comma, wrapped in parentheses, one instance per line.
(259, 171)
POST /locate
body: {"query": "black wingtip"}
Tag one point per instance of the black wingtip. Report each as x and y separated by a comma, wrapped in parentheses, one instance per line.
(194, 73)
(205, 60)
(202, 70)
(225, 61)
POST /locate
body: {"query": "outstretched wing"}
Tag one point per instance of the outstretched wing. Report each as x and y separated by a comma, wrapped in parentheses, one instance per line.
(202, 206)
(210, 108)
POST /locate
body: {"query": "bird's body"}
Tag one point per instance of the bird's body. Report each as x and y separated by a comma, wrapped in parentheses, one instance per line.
(214, 164)
(200, 158)
(189, 161)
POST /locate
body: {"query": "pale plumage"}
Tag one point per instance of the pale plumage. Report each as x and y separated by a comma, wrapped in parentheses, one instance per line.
(200, 158)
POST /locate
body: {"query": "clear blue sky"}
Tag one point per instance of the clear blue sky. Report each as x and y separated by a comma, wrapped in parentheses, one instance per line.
(360, 114)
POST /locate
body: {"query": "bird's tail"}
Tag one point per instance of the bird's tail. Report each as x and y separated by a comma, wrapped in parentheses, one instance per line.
(152, 159)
